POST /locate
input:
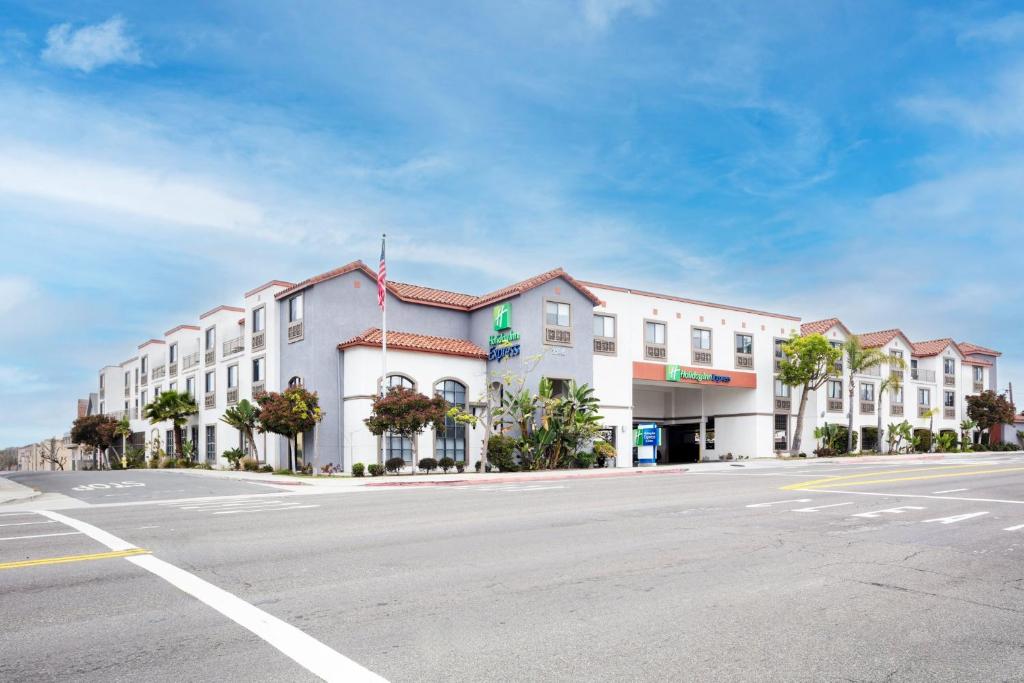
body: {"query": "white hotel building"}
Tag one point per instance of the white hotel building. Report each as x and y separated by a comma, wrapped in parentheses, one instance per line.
(703, 373)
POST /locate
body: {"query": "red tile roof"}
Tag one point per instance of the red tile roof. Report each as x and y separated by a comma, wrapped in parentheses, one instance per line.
(874, 340)
(210, 312)
(407, 341)
(280, 283)
(933, 347)
(439, 297)
(696, 302)
(822, 326)
(978, 361)
(968, 347)
(180, 327)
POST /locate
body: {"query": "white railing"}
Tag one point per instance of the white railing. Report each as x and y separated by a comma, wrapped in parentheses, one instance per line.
(159, 372)
(744, 360)
(258, 388)
(211, 400)
(190, 361)
(700, 357)
(922, 375)
(259, 340)
(211, 356)
(233, 346)
(232, 396)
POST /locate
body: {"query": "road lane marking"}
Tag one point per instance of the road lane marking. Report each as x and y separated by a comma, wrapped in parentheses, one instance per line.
(917, 495)
(18, 538)
(820, 507)
(302, 648)
(950, 491)
(27, 523)
(779, 502)
(955, 518)
(1014, 528)
(865, 478)
(290, 507)
(72, 558)
(896, 511)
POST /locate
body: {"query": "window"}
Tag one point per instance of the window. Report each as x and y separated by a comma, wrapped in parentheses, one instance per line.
(169, 441)
(744, 343)
(897, 396)
(782, 390)
(145, 364)
(127, 378)
(172, 353)
(949, 399)
(136, 378)
(557, 323)
(211, 443)
(295, 308)
(210, 382)
(924, 397)
(190, 386)
(867, 392)
(779, 353)
(709, 434)
(173, 386)
(781, 432)
(232, 376)
(913, 364)
(396, 446)
(294, 382)
(259, 319)
(144, 401)
(101, 381)
(156, 393)
(451, 441)
(835, 389)
(701, 339)
(604, 334)
(258, 365)
(211, 338)
(559, 387)
(556, 313)
(399, 381)
(949, 366)
(979, 373)
(655, 334)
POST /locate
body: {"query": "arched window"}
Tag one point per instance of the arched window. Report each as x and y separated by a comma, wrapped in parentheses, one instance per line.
(400, 381)
(451, 442)
(396, 446)
(294, 382)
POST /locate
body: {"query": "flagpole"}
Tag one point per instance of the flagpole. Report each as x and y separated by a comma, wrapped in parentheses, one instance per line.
(383, 345)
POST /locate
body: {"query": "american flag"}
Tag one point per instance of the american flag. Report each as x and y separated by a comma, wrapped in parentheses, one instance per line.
(382, 277)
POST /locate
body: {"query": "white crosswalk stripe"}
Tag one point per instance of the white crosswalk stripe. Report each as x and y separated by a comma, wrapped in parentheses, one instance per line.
(233, 507)
(511, 487)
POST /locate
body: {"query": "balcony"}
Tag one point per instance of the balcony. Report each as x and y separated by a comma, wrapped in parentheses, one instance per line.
(921, 410)
(783, 403)
(190, 361)
(233, 346)
(232, 396)
(949, 380)
(655, 351)
(604, 345)
(744, 360)
(296, 331)
(211, 400)
(159, 372)
(922, 375)
(127, 392)
(896, 409)
(173, 369)
(699, 357)
(552, 334)
(211, 356)
(835, 405)
(978, 387)
(872, 372)
(259, 340)
(867, 407)
(116, 414)
(143, 380)
(948, 413)
(258, 387)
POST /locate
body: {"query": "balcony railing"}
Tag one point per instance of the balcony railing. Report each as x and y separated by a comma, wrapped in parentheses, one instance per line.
(258, 387)
(835, 405)
(783, 403)
(552, 334)
(949, 380)
(116, 414)
(190, 361)
(604, 345)
(159, 372)
(295, 331)
(655, 351)
(978, 387)
(948, 413)
(232, 396)
(700, 357)
(233, 346)
(896, 409)
(143, 380)
(872, 372)
(259, 340)
(921, 410)
(744, 360)
(211, 356)
(127, 391)
(922, 375)
(211, 400)
(867, 407)
(173, 369)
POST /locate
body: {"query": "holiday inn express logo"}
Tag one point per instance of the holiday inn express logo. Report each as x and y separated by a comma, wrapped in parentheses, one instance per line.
(502, 316)
(675, 373)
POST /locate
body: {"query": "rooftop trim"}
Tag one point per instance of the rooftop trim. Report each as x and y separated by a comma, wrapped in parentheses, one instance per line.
(696, 302)
(968, 347)
(222, 307)
(265, 285)
(823, 326)
(171, 331)
(152, 341)
(422, 343)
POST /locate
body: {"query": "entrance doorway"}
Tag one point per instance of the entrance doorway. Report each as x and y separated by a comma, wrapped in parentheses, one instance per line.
(682, 444)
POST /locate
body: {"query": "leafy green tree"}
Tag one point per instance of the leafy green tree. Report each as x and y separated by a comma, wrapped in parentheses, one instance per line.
(175, 407)
(406, 413)
(806, 365)
(245, 417)
(289, 413)
(95, 431)
(989, 409)
(860, 360)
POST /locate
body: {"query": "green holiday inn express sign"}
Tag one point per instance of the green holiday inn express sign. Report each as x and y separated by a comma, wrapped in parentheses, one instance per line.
(504, 344)
(675, 373)
(502, 316)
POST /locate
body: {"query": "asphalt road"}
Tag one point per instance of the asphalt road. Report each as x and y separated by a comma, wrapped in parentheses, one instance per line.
(859, 572)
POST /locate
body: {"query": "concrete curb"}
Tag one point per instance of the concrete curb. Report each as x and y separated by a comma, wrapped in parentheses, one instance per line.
(509, 479)
(12, 492)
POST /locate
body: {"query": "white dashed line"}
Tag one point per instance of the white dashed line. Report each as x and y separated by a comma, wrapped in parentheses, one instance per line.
(955, 518)
(27, 523)
(820, 507)
(950, 491)
(1014, 528)
(18, 538)
(779, 502)
(895, 511)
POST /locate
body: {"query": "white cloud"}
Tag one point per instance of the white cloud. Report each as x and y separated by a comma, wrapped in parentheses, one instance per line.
(91, 47)
(600, 14)
(1005, 29)
(999, 111)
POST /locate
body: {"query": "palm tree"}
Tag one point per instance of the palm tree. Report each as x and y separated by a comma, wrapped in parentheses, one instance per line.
(892, 383)
(174, 407)
(860, 360)
(245, 418)
(966, 427)
(123, 429)
(930, 413)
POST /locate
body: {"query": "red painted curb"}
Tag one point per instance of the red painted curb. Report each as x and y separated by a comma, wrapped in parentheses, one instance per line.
(520, 480)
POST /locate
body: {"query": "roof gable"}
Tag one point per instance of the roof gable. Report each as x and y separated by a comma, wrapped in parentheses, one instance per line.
(823, 326)
(968, 348)
(934, 347)
(874, 340)
(423, 343)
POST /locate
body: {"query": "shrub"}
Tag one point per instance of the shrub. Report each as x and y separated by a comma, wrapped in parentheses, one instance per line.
(168, 463)
(375, 469)
(249, 464)
(234, 456)
(358, 469)
(185, 463)
(501, 452)
(427, 464)
(283, 470)
(461, 467)
(584, 460)
(136, 456)
(477, 466)
(306, 468)
(202, 466)
(394, 465)
(266, 469)
(603, 452)
(825, 452)
(446, 464)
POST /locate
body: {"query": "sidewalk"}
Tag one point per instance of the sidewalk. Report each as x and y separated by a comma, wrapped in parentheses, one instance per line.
(13, 492)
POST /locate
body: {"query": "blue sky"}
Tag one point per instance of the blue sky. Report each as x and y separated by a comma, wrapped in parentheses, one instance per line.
(864, 160)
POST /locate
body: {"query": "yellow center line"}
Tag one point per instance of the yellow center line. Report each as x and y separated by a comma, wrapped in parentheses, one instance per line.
(73, 558)
(866, 477)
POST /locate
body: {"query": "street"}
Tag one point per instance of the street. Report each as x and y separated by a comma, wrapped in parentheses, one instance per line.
(813, 570)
